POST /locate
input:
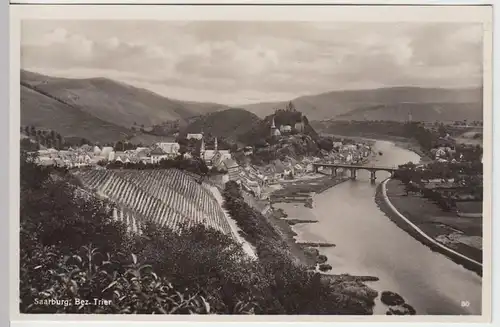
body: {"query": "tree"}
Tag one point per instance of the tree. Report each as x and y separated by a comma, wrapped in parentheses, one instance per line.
(60, 141)
(442, 130)
(28, 145)
(325, 144)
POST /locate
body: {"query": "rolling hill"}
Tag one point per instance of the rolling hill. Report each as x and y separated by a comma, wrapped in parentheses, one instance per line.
(245, 128)
(427, 112)
(41, 110)
(115, 102)
(230, 124)
(452, 102)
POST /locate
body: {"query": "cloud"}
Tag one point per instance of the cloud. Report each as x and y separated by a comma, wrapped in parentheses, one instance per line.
(237, 61)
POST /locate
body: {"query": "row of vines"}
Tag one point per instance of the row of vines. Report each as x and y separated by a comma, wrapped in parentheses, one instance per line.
(169, 198)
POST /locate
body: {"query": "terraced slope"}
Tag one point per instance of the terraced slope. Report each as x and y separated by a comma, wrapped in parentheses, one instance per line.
(168, 197)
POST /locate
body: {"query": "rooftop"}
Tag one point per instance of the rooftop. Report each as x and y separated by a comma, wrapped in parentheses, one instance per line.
(157, 152)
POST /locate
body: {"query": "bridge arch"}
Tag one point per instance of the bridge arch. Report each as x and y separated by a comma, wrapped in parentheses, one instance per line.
(354, 168)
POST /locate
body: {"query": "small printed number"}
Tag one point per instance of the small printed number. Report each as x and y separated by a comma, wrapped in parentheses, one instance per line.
(464, 304)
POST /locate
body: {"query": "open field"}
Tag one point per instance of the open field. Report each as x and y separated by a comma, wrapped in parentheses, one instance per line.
(461, 234)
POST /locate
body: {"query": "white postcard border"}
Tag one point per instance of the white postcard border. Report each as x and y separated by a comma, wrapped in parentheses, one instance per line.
(348, 13)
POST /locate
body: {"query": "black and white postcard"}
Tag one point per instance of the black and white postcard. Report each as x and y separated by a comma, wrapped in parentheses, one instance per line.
(251, 163)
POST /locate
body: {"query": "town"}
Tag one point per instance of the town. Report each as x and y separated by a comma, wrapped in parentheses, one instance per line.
(258, 180)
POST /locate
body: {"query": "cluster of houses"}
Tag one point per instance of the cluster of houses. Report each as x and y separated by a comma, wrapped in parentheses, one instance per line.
(257, 179)
(445, 151)
(87, 155)
(348, 153)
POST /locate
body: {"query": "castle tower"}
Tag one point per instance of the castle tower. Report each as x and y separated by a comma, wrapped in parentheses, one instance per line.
(215, 144)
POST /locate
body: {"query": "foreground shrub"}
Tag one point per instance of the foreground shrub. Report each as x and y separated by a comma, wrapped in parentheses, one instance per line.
(92, 283)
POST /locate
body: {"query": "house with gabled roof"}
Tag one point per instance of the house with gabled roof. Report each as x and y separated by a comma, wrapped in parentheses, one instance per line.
(233, 169)
(170, 148)
(158, 155)
(105, 152)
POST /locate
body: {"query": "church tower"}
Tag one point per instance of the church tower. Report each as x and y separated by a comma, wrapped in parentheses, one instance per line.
(202, 147)
(409, 116)
(215, 145)
(273, 127)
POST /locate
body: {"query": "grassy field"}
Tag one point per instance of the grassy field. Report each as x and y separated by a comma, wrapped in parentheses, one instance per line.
(463, 235)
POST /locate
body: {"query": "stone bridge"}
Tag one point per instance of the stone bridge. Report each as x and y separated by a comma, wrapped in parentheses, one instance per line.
(354, 169)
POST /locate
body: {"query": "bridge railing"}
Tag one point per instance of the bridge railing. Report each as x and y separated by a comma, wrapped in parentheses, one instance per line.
(355, 166)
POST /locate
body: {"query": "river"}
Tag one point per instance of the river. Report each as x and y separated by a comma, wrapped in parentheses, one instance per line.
(369, 243)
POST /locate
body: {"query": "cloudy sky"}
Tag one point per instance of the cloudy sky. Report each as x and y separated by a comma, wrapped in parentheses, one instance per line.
(246, 62)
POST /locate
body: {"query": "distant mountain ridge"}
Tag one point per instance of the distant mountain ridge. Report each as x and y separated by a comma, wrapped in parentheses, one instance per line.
(98, 109)
(427, 112)
(104, 110)
(116, 102)
(340, 104)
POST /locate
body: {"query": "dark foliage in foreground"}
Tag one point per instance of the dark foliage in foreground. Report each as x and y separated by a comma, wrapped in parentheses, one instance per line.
(71, 249)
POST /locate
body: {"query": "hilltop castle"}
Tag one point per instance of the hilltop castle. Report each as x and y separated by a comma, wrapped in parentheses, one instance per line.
(283, 129)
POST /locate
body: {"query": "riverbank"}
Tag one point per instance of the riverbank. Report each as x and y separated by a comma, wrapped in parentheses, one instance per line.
(307, 253)
(458, 238)
(300, 191)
